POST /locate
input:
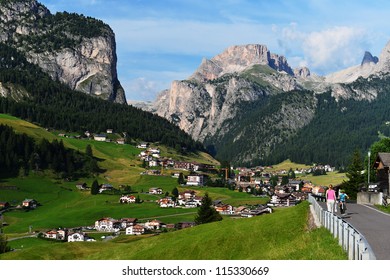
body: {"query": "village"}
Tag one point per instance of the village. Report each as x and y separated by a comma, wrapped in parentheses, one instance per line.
(281, 188)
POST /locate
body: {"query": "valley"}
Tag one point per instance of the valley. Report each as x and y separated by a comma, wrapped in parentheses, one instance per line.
(63, 205)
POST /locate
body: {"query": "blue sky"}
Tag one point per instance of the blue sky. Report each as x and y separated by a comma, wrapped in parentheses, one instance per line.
(161, 41)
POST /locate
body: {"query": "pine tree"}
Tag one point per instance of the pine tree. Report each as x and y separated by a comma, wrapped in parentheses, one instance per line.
(354, 174)
(88, 151)
(207, 213)
(95, 187)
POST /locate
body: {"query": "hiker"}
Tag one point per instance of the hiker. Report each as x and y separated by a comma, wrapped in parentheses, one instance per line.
(342, 201)
(330, 198)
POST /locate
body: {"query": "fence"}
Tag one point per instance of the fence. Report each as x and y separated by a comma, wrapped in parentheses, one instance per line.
(350, 239)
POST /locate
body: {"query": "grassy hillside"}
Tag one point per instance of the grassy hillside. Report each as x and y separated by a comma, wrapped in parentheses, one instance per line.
(284, 235)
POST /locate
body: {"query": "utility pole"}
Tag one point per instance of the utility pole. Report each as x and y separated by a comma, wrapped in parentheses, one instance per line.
(368, 168)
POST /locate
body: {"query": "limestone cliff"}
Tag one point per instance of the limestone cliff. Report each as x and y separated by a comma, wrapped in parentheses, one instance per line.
(73, 49)
(201, 104)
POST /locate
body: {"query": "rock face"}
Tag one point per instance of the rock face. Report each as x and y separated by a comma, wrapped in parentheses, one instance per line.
(368, 58)
(236, 59)
(85, 62)
(212, 95)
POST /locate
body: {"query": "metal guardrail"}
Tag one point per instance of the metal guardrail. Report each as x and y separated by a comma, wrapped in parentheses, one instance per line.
(350, 239)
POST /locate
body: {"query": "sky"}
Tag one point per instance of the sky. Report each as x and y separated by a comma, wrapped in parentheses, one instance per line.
(160, 41)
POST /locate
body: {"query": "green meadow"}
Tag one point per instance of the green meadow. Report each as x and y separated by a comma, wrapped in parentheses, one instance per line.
(284, 235)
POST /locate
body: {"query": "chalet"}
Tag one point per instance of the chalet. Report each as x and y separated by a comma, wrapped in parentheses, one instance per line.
(283, 199)
(100, 137)
(183, 225)
(105, 187)
(56, 234)
(195, 180)
(296, 185)
(256, 212)
(224, 209)
(187, 165)
(155, 191)
(29, 203)
(143, 146)
(51, 234)
(381, 165)
(121, 141)
(153, 163)
(76, 237)
(82, 186)
(4, 204)
(153, 225)
(135, 230)
(127, 222)
(127, 199)
(187, 194)
(109, 130)
(107, 224)
(241, 209)
(166, 202)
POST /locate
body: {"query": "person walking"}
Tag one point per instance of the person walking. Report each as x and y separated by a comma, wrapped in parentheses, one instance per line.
(342, 201)
(330, 198)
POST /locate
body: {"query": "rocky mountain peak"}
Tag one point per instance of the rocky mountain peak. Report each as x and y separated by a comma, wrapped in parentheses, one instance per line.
(83, 58)
(369, 58)
(238, 58)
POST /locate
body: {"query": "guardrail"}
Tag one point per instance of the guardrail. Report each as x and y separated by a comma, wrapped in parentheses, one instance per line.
(350, 239)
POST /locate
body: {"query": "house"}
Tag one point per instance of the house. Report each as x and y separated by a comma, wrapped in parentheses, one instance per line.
(283, 199)
(187, 194)
(105, 187)
(51, 234)
(109, 130)
(100, 137)
(121, 141)
(82, 186)
(381, 166)
(256, 212)
(127, 222)
(183, 225)
(143, 146)
(166, 202)
(295, 184)
(29, 203)
(4, 204)
(107, 224)
(224, 209)
(76, 237)
(153, 225)
(127, 199)
(195, 180)
(135, 230)
(155, 191)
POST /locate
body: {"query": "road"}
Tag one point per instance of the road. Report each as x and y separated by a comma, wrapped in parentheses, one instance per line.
(373, 224)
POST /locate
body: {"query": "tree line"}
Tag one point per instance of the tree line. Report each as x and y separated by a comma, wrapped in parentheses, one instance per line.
(20, 154)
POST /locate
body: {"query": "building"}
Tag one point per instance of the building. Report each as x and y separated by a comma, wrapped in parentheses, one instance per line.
(195, 180)
(100, 137)
(381, 165)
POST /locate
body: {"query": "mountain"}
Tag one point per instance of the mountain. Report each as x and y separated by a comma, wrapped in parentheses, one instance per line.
(246, 104)
(73, 49)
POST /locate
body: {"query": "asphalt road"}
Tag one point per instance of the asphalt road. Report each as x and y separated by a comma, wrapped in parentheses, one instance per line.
(373, 224)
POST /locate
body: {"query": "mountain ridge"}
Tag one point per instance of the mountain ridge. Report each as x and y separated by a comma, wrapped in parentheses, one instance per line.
(75, 50)
(214, 103)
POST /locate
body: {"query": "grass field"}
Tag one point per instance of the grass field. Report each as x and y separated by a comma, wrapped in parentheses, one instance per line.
(284, 235)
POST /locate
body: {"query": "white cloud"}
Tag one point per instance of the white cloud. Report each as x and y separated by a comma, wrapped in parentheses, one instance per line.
(327, 50)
